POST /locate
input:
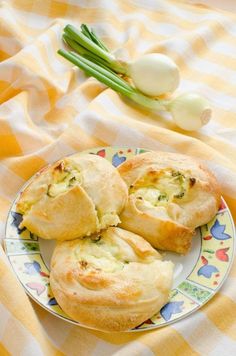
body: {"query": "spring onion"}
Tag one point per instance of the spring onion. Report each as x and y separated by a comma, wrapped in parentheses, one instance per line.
(112, 80)
(189, 111)
(151, 75)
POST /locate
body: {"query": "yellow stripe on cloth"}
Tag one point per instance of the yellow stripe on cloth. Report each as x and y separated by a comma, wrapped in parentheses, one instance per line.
(26, 166)
(9, 145)
(3, 350)
(222, 312)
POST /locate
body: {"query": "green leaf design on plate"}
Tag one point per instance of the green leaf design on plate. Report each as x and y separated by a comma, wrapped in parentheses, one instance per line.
(20, 247)
(195, 292)
(140, 150)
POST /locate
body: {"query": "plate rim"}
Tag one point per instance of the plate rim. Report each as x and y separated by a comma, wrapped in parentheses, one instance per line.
(137, 329)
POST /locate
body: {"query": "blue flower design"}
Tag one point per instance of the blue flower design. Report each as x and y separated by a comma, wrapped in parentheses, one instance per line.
(52, 301)
(171, 308)
(17, 219)
(116, 160)
(217, 231)
(207, 270)
(32, 267)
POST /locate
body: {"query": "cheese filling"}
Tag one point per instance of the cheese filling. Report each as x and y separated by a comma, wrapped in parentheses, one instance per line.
(104, 254)
(169, 186)
(63, 177)
(63, 182)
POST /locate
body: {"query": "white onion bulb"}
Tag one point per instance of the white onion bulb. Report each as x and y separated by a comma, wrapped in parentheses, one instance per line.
(190, 111)
(154, 74)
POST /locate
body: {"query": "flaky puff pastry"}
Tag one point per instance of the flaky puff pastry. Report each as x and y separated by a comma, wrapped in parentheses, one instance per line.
(77, 196)
(169, 196)
(112, 282)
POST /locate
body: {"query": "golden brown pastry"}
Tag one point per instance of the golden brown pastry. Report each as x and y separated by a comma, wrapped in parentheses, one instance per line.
(112, 282)
(77, 196)
(169, 196)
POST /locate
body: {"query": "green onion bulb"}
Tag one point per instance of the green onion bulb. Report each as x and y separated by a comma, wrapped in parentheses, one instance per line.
(154, 74)
(190, 111)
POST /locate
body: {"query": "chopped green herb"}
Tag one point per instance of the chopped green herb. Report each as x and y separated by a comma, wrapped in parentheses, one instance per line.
(175, 173)
(179, 195)
(163, 197)
(178, 175)
(72, 181)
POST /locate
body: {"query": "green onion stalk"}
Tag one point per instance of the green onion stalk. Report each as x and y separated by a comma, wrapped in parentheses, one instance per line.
(113, 81)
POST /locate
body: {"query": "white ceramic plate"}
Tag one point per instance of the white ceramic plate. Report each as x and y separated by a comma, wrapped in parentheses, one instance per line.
(197, 276)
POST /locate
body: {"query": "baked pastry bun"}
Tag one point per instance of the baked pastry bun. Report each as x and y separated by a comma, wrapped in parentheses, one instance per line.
(112, 281)
(169, 196)
(77, 196)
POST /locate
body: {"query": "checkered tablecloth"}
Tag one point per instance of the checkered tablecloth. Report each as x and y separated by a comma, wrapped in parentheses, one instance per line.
(49, 109)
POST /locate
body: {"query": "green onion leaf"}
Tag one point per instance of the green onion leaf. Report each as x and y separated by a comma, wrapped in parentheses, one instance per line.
(101, 74)
(83, 51)
(103, 70)
(86, 42)
(90, 34)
